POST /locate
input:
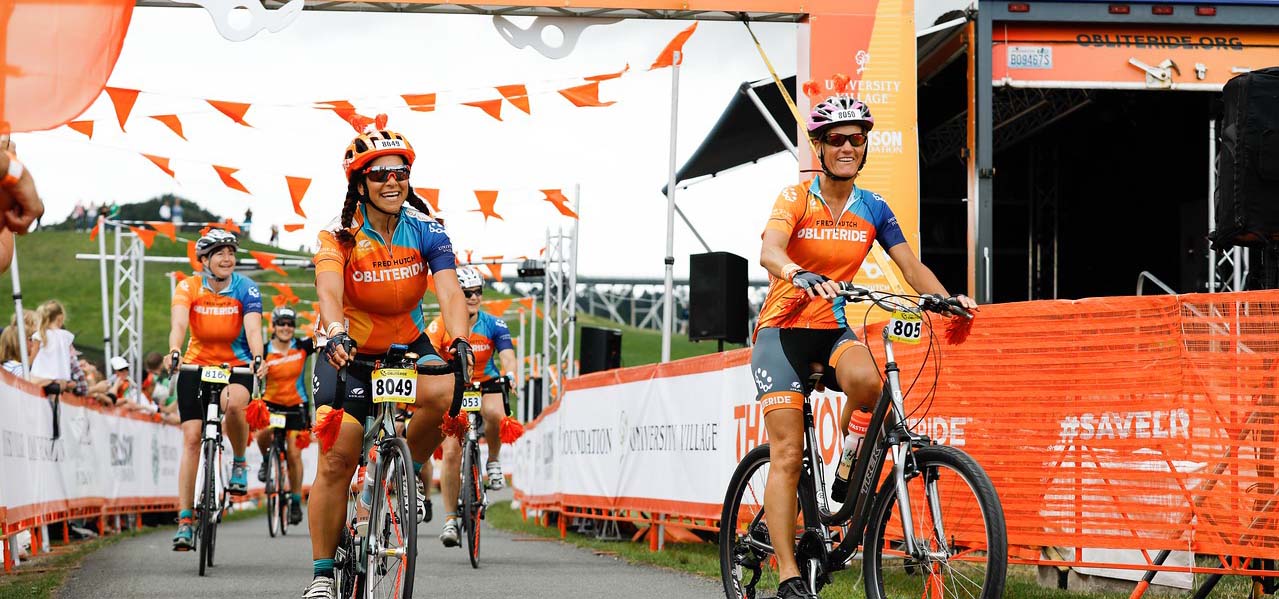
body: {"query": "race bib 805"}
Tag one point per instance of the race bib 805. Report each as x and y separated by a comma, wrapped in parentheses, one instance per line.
(906, 327)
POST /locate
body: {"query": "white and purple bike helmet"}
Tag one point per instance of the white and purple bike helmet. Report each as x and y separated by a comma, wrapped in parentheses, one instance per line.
(839, 110)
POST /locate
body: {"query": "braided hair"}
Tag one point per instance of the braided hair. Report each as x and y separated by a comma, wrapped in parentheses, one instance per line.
(356, 192)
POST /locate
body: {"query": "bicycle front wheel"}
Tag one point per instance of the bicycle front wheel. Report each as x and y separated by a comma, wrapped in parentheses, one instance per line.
(282, 490)
(272, 498)
(392, 541)
(472, 500)
(958, 524)
(747, 567)
(208, 507)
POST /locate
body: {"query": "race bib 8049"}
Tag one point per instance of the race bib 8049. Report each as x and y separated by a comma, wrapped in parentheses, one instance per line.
(397, 385)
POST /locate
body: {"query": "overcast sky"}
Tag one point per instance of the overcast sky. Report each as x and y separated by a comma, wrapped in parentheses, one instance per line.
(618, 154)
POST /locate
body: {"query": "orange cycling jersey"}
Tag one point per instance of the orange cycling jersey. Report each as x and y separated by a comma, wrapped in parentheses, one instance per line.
(825, 245)
(217, 319)
(489, 336)
(285, 385)
(384, 281)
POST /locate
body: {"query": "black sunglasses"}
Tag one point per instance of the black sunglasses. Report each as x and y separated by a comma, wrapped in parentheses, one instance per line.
(285, 323)
(837, 140)
(473, 292)
(380, 174)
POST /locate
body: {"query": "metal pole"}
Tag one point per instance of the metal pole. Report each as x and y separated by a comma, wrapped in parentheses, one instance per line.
(115, 295)
(139, 267)
(693, 229)
(1212, 202)
(572, 282)
(749, 90)
(19, 314)
(546, 324)
(560, 292)
(668, 303)
(102, 273)
(521, 412)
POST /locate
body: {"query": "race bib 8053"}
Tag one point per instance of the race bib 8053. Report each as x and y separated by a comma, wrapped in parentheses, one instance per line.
(470, 401)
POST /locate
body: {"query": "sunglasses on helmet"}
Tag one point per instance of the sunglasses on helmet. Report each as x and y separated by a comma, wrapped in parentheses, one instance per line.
(837, 140)
(381, 174)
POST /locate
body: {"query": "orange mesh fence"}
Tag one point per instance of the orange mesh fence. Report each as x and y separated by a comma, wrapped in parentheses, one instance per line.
(1127, 423)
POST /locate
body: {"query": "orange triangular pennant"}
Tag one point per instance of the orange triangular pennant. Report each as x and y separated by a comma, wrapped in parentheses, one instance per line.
(93, 233)
(607, 76)
(161, 162)
(584, 96)
(487, 200)
(667, 57)
(345, 110)
(178, 276)
(297, 189)
(123, 100)
(527, 302)
(267, 262)
(228, 225)
(85, 127)
(294, 227)
(171, 120)
(492, 107)
(497, 307)
(420, 102)
(496, 271)
(169, 229)
(284, 289)
(515, 94)
(234, 110)
(225, 173)
(556, 197)
(195, 262)
(430, 195)
(278, 300)
(146, 235)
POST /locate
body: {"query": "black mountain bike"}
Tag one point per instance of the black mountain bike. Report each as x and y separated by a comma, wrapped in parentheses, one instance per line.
(277, 470)
(381, 562)
(472, 496)
(933, 529)
(209, 504)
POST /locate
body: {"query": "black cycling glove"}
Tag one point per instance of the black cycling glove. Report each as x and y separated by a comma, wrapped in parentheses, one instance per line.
(807, 280)
(341, 339)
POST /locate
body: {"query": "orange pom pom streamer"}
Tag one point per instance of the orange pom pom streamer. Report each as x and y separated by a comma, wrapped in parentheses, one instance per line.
(257, 415)
(379, 121)
(439, 453)
(302, 439)
(811, 89)
(327, 429)
(454, 427)
(843, 83)
(511, 430)
(957, 330)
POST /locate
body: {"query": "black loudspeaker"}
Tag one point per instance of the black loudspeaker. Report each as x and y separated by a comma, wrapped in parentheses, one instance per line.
(717, 302)
(601, 349)
(1247, 194)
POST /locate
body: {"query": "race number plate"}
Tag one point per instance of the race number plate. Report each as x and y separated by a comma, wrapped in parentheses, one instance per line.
(470, 401)
(215, 374)
(905, 327)
(395, 385)
(278, 420)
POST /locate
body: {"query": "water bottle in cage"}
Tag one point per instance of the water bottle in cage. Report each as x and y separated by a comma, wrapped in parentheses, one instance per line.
(852, 443)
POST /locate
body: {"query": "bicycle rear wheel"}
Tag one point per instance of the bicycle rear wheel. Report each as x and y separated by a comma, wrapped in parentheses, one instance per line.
(272, 498)
(208, 507)
(472, 500)
(392, 525)
(958, 522)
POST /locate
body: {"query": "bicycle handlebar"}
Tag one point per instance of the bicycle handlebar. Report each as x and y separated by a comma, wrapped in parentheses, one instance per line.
(197, 367)
(931, 302)
(455, 367)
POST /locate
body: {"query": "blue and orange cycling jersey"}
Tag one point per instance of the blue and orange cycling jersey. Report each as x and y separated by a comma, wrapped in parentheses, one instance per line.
(820, 243)
(217, 319)
(285, 384)
(489, 336)
(384, 281)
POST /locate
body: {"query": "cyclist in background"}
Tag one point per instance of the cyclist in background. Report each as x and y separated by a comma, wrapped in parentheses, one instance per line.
(223, 309)
(286, 389)
(818, 234)
(491, 341)
(370, 274)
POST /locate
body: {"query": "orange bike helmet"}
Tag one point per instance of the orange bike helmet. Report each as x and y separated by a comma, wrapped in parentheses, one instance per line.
(373, 144)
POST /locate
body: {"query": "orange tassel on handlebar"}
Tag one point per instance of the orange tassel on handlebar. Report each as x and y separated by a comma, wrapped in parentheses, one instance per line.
(327, 427)
(957, 330)
(439, 453)
(454, 427)
(303, 439)
(511, 430)
(257, 415)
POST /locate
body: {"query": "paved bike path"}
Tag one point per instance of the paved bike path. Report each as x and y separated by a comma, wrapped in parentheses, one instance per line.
(251, 564)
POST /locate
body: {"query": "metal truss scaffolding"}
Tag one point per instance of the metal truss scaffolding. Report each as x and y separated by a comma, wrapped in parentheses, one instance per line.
(126, 313)
(1228, 269)
(558, 337)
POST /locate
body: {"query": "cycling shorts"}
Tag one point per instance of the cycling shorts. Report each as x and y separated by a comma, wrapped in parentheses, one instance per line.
(189, 405)
(295, 421)
(359, 390)
(781, 362)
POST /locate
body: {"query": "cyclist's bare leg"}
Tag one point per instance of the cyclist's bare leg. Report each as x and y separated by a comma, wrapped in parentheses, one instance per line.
(426, 476)
(187, 470)
(451, 475)
(234, 400)
(264, 440)
(859, 379)
(434, 394)
(786, 450)
(491, 406)
(330, 490)
(294, 456)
